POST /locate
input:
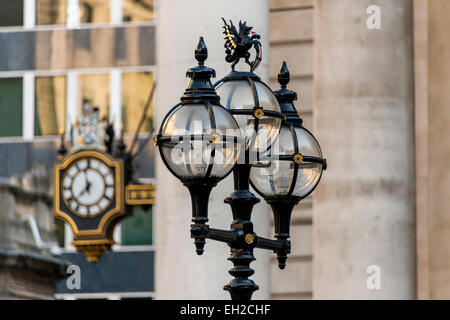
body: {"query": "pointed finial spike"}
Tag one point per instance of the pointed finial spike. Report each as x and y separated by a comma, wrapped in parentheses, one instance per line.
(62, 148)
(283, 76)
(201, 51)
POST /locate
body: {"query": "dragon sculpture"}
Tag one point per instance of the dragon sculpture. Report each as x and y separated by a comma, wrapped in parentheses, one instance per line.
(239, 43)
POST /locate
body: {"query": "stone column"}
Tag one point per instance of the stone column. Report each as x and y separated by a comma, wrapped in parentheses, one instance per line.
(432, 49)
(180, 273)
(364, 208)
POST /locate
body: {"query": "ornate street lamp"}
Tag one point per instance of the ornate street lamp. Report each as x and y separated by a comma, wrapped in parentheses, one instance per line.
(200, 142)
(193, 140)
(289, 175)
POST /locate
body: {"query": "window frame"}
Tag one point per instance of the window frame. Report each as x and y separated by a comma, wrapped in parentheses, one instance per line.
(73, 22)
(32, 111)
(28, 98)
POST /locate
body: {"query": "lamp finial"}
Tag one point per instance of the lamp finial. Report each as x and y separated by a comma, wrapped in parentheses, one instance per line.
(201, 51)
(284, 76)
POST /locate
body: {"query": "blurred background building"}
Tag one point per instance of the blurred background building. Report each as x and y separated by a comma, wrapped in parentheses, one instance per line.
(376, 98)
(57, 54)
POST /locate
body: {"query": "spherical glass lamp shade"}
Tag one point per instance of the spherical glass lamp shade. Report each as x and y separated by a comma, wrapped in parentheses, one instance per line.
(293, 166)
(296, 168)
(200, 141)
(254, 107)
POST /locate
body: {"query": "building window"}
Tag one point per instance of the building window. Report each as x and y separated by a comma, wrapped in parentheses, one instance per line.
(137, 229)
(11, 13)
(11, 107)
(137, 10)
(94, 11)
(136, 88)
(51, 12)
(94, 90)
(50, 105)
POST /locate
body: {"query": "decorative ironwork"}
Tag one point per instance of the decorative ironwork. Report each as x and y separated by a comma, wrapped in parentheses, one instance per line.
(238, 44)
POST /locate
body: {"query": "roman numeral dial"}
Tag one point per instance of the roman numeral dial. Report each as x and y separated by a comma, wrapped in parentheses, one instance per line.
(88, 187)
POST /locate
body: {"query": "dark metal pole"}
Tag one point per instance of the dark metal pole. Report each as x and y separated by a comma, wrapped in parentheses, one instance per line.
(242, 202)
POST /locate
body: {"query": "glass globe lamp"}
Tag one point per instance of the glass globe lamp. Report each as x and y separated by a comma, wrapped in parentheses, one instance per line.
(293, 166)
(254, 107)
(199, 139)
(293, 174)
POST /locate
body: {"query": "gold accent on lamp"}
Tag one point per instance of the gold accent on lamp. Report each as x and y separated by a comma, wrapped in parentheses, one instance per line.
(298, 158)
(249, 238)
(259, 113)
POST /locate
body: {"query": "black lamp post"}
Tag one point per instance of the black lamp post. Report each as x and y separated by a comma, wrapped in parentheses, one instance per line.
(201, 142)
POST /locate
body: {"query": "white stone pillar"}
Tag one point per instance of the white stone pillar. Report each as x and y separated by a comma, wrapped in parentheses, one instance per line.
(364, 207)
(180, 273)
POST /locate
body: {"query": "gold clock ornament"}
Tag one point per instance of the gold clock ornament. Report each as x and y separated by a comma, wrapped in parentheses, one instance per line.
(89, 196)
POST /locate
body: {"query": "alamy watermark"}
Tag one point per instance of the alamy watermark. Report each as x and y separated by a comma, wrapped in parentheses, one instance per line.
(73, 282)
(374, 280)
(374, 20)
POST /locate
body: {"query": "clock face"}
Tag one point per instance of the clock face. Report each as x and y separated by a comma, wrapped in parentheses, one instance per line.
(88, 187)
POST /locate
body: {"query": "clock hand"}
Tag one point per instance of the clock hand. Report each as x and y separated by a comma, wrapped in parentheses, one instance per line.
(85, 176)
(81, 193)
(88, 187)
(88, 184)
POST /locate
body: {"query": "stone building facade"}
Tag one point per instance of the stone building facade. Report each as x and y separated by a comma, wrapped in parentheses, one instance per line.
(292, 40)
(376, 100)
(379, 109)
(56, 55)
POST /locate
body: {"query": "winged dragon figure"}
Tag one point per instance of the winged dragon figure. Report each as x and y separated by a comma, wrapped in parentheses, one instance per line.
(238, 44)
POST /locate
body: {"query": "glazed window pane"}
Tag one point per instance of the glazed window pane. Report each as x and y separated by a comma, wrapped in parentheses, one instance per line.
(136, 88)
(94, 11)
(137, 10)
(50, 105)
(11, 111)
(11, 13)
(51, 12)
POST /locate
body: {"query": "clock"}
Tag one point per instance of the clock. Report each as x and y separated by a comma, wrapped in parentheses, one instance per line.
(89, 196)
(88, 186)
